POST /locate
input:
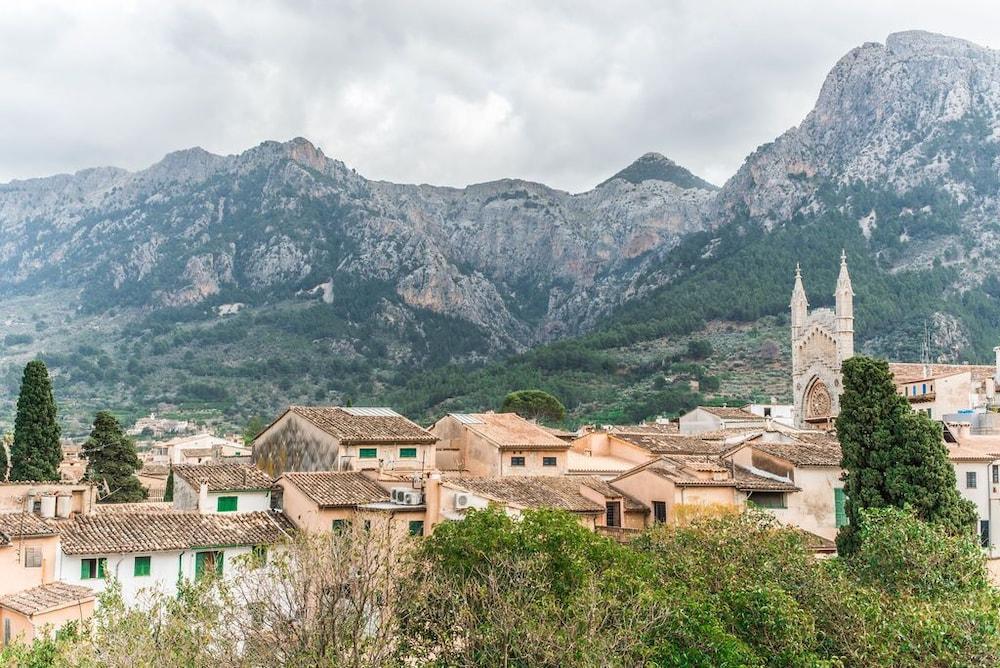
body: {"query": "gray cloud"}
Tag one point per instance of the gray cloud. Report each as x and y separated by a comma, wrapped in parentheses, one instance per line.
(443, 92)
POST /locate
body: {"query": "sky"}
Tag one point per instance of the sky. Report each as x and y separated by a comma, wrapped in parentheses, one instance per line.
(444, 92)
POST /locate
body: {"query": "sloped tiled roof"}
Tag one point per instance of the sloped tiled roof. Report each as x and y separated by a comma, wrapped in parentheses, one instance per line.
(562, 492)
(663, 444)
(50, 596)
(817, 449)
(137, 507)
(115, 533)
(150, 469)
(354, 426)
(224, 477)
(746, 480)
(731, 413)
(605, 488)
(511, 431)
(15, 525)
(331, 489)
(908, 372)
(650, 429)
(682, 471)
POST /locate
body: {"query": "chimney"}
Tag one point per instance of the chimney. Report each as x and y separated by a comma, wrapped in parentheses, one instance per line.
(203, 498)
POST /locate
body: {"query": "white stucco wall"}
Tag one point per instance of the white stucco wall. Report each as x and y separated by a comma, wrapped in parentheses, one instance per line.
(164, 569)
(246, 502)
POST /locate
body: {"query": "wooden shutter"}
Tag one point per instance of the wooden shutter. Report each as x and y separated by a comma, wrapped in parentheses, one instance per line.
(840, 511)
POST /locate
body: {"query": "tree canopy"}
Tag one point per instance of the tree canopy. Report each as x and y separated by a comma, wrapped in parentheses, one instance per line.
(893, 456)
(35, 453)
(534, 405)
(111, 459)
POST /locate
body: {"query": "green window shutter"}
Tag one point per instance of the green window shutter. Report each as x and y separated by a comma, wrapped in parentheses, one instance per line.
(102, 568)
(407, 453)
(218, 563)
(199, 565)
(338, 526)
(368, 453)
(416, 527)
(226, 504)
(141, 566)
(85, 572)
(840, 510)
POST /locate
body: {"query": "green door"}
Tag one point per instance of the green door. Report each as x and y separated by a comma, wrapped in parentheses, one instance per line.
(840, 511)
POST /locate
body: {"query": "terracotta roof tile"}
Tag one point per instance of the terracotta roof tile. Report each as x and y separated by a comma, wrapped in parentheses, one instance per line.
(818, 449)
(562, 492)
(511, 431)
(649, 429)
(360, 425)
(338, 488)
(50, 596)
(728, 413)
(908, 372)
(663, 444)
(115, 533)
(16, 525)
(224, 477)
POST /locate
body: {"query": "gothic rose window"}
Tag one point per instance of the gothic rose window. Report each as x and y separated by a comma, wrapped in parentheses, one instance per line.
(818, 402)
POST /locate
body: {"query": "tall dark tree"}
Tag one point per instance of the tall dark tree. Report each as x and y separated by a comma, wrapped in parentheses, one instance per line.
(168, 491)
(892, 455)
(111, 459)
(35, 453)
(534, 405)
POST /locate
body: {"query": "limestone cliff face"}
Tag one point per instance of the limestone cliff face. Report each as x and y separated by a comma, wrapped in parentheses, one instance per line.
(522, 261)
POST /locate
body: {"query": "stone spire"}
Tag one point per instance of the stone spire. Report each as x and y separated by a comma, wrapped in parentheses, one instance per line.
(844, 297)
(799, 305)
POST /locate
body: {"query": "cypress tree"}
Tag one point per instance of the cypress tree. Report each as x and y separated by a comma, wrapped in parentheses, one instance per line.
(168, 491)
(111, 459)
(35, 453)
(892, 455)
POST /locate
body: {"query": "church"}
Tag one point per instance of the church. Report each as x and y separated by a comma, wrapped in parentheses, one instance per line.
(821, 341)
(824, 338)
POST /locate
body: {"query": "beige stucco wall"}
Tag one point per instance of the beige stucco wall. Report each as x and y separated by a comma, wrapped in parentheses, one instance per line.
(305, 514)
(26, 628)
(647, 487)
(602, 444)
(813, 507)
(14, 576)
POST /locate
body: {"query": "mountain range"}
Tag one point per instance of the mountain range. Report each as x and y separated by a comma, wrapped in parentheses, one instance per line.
(238, 283)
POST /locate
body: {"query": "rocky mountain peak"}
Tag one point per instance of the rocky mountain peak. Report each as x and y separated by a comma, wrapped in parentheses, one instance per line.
(657, 167)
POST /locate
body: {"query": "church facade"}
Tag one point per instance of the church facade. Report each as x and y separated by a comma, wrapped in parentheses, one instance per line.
(821, 341)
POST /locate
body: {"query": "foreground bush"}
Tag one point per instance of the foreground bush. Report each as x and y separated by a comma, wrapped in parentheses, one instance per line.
(542, 591)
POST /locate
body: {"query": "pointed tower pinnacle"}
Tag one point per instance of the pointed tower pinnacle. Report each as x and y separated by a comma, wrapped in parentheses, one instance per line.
(799, 303)
(844, 297)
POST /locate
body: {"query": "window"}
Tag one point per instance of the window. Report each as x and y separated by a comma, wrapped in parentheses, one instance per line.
(984, 533)
(839, 507)
(923, 389)
(339, 526)
(659, 511)
(93, 569)
(613, 514)
(141, 566)
(548, 461)
(517, 461)
(32, 557)
(773, 500)
(970, 479)
(227, 504)
(767, 411)
(207, 562)
(996, 473)
(6, 632)
(407, 453)
(416, 527)
(258, 556)
(367, 526)
(368, 453)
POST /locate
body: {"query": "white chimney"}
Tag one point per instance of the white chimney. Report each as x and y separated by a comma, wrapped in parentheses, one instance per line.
(203, 498)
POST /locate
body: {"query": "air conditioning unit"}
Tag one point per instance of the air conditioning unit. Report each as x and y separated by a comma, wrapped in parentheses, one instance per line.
(398, 493)
(461, 501)
(412, 498)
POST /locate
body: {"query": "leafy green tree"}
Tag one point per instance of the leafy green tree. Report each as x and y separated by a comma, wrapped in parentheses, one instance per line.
(534, 405)
(111, 460)
(254, 427)
(893, 457)
(168, 491)
(35, 453)
(699, 349)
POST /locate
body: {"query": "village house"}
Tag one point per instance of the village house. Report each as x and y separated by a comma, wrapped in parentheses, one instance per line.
(221, 488)
(976, 458)
(196, 449)
(73, 465)
(610, 452)
(596, 504)
(714, 418)
(334, 438)
(938, 390)
(331, 500)
(498, 444)
(48, 499)
(155, 549)
(28, 551)
(28, 613)
(153, 478)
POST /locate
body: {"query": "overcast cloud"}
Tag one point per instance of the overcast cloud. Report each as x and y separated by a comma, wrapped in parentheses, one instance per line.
(438, 92)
